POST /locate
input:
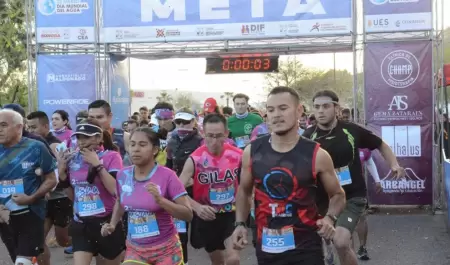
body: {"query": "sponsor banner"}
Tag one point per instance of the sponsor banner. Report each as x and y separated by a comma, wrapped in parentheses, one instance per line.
(398, 83)
(416, 188)
(66, 82)
(65, 21)
(397, 15)
(183, 20)
(446, 170)
(120, 89)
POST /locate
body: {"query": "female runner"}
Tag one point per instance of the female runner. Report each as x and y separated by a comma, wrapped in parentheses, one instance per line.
(151, 194)
(91, 170)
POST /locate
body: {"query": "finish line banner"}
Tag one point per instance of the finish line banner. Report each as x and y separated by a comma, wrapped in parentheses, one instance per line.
(65, 21)
(397, 15)
(399, 108)
(195, 20)
(65, 82)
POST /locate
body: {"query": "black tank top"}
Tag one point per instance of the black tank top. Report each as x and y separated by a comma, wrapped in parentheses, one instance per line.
(285, 192)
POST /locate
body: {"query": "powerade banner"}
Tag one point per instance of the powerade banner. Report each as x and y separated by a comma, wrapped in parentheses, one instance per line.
(397, 15)
(120, 90)
(194, 20)
(65, 21)
(399, 99)
(65, 82)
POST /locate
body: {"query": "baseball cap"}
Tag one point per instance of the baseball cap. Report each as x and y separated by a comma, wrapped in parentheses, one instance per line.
(87, 129)
(81, 116)
(16, 107)
(210, 105)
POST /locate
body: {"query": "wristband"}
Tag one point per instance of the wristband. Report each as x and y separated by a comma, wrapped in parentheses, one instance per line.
(236, 224)
(99, 168)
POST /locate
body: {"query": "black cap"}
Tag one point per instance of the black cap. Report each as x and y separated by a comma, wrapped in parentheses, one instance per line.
(82, 115)
(87, 129)
(16, 107)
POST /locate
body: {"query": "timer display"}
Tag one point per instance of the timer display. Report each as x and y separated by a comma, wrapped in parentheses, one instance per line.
(242, 64)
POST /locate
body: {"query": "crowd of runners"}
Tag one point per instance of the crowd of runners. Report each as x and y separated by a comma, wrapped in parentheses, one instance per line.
(141, 193)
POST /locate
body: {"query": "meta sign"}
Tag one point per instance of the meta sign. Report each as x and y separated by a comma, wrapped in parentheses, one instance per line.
(190, 20)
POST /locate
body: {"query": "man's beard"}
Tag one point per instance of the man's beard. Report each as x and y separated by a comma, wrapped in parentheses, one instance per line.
(283, 133)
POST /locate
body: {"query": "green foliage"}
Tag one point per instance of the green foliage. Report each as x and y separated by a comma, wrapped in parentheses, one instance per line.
(164, 97)
(13, 55)
(308, 81)
(186, 100)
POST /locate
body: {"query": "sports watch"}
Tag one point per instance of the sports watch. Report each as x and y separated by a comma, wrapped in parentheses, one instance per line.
(236, 224)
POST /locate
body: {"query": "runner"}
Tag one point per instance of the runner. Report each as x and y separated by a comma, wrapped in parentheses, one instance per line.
(263, 129)
(100, 111)
(132, 125)
(91, 171)
(23, 188)
(214, 168)
(346, 115)
(61, 125)
(144, 114)
(184, 141)
(362, 229)
(151, 194)
(242, 123)
(59, 207)
(209, 106)
(284, 168)
(342, 140)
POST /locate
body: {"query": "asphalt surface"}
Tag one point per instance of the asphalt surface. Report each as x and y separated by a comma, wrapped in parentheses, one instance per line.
(394, 239)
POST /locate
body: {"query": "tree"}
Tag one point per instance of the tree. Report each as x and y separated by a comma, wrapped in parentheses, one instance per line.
(164, 97)
(227, 96)
(186, 100)
(308, 81)
(13, 55)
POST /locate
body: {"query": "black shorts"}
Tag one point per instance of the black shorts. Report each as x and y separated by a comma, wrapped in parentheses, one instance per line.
(60, 211)
(24, 236)
(87, 237)
(212, 234)
(291, 257)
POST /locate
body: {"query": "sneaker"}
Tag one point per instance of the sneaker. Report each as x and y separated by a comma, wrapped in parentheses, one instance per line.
(68, 250)
(362, 253)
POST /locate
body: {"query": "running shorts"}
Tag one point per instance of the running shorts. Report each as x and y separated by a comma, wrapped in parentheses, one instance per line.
(60, 211)
(24, 236)
(213, 233)
(291, 257)
(167, 253)
(354, 209)
(87, 237)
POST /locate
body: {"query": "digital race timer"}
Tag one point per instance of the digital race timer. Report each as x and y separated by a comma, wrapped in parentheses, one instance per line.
(251, 63)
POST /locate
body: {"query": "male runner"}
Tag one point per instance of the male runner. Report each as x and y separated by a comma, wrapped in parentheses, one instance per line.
(100, 110)
(22, 163)
(214, 168)
(242, 123)
(59, 207)
(342, 140)
(284, 169)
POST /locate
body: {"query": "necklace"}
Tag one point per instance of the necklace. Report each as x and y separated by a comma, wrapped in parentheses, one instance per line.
(326, 135)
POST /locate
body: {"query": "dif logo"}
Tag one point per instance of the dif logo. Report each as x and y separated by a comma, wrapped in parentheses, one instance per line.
(253, 29)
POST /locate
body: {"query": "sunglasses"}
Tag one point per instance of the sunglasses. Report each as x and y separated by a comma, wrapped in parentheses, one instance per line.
(182, 122)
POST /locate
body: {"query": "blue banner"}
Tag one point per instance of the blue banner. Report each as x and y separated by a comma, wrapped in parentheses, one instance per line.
(65, 82)
(65, 21)
(120, 89)
(190, 20)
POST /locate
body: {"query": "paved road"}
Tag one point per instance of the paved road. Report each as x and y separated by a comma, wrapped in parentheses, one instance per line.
(395, 239)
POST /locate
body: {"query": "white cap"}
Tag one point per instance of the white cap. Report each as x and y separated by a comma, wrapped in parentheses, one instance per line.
(184, 116)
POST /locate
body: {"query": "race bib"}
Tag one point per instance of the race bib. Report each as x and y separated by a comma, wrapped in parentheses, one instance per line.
(241, 142)
(142, 225)
(180, 225)
(88, 201)
(344, 177)
(278, 240)
(10, 187)
(220, 196)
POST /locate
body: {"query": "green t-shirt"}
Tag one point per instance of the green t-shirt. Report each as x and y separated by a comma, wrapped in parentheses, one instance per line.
(241, 129)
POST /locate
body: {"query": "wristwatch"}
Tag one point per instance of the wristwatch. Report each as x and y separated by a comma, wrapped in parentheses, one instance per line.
(236, 224)
(332, 217)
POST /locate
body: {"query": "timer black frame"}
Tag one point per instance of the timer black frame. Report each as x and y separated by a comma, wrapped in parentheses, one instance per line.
(242, 64)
